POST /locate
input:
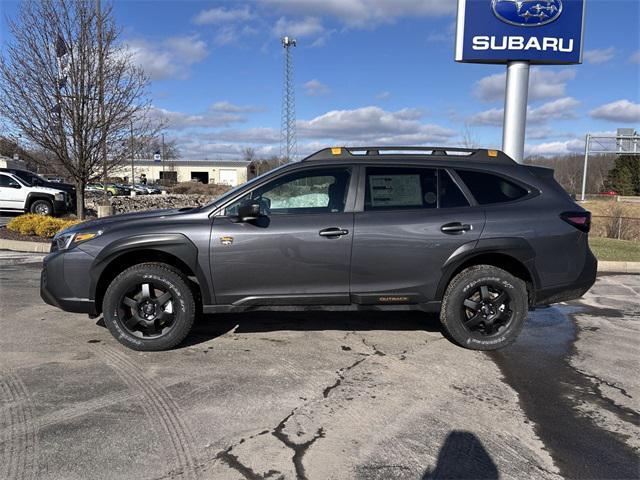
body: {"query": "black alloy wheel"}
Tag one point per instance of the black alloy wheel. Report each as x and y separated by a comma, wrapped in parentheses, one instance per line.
(147, 311)
(487, 310)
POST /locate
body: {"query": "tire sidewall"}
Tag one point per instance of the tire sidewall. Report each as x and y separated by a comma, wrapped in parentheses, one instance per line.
(45, 202)
(183, 306)
(452, 315)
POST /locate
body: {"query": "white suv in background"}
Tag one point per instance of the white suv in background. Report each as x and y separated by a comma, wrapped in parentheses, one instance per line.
(18, 196)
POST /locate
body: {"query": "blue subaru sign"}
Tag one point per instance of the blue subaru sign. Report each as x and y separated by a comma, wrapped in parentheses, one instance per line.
(537, 31)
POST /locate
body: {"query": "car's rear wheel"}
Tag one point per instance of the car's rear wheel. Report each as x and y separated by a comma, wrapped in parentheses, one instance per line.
(484, 308)
(149, 307)
(42, 207)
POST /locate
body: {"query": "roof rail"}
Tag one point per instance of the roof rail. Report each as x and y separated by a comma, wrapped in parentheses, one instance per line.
(354, 153)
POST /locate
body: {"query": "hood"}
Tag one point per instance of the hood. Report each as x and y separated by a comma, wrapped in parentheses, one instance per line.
(114, 220)
(48, 190)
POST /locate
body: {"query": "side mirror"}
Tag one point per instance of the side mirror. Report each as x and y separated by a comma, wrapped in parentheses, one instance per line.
(15, 185)
(249, 211)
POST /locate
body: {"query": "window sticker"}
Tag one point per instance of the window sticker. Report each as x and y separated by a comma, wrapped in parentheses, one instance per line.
(395, 190)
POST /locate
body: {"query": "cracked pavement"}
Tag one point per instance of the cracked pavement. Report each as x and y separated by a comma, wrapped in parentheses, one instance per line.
(319, 395)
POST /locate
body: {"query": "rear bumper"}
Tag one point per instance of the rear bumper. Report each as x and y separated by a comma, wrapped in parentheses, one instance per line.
(570, 291)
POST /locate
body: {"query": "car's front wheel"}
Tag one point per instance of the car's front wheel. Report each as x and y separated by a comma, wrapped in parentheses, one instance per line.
(42, 207)
(149, 307)
(484, 308)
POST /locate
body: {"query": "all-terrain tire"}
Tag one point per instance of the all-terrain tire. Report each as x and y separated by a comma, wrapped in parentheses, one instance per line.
(452, 313)
(41, 207)
(165, 277)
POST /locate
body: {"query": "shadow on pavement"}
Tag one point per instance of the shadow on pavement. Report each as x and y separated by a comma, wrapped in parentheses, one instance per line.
(209, 327)
(462, 457)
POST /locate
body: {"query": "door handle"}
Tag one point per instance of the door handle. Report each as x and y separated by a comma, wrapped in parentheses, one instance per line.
(333, 232)
(455, 228)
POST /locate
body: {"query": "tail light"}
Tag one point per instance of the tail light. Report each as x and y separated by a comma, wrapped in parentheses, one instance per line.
(580, 220)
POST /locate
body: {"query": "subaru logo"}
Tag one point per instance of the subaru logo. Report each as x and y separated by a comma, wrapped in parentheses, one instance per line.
(527, 13)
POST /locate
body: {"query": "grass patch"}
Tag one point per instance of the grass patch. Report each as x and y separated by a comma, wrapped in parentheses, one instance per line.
(609, 249)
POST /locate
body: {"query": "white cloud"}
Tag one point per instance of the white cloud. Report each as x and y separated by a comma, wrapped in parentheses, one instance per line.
(383, 95)
(170, 57)
(635, 57)
(306, 27)
(542, 84)
(316, 88)
(599, 56)
(222, 15)
(228, 107)
(190, 49)
(366, 13)
(181, 121)
(555, 148)
(619, 111)
(561, 109)
(491, 117)
(373, 125)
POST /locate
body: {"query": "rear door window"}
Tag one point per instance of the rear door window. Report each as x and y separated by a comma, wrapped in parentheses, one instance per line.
(488, 188)
(406, 188)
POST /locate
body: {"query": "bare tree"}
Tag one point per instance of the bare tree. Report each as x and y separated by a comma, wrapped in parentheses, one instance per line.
(468, 138)
(51, 89)
(148, 146)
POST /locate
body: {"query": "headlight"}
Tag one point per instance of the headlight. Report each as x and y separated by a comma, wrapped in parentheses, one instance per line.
(59, 197)
(68, 240)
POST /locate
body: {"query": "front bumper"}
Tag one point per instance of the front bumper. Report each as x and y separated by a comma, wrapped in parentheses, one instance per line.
(573, 290)
(56, 291)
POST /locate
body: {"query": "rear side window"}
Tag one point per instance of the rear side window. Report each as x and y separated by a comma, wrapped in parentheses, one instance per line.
(398, 188)
(488, 188)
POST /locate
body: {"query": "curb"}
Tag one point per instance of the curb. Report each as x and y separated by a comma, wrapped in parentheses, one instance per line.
(618, 267)
(22, 246)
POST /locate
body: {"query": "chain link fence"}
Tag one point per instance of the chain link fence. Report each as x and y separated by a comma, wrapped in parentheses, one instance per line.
(614, 226)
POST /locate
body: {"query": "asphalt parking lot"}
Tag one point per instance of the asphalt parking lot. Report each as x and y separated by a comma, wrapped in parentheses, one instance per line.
(319, 395)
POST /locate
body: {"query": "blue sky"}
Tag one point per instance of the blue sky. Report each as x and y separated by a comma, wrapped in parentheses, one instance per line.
(366, 72)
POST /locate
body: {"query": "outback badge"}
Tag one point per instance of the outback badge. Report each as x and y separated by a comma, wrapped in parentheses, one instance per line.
(226, 240)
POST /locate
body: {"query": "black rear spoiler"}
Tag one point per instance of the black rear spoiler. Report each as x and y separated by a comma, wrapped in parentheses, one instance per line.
(541, 172)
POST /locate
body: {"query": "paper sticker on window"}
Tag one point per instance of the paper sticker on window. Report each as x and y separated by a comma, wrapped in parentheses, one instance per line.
(395, 190)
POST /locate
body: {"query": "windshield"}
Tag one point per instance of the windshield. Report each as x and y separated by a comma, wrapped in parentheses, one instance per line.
(232, 192)
(30, 178)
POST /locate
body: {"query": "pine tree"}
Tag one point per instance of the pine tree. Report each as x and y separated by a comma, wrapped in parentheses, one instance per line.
(624, 177)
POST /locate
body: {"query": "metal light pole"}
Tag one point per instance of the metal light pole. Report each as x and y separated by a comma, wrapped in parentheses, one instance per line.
(587, 140)
(103, 137)
(515, 110)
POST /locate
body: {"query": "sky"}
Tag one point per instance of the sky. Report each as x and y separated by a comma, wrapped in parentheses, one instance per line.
(366, 72)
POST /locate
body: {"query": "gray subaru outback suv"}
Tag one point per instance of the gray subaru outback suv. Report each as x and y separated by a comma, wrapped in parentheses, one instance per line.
(467, 233)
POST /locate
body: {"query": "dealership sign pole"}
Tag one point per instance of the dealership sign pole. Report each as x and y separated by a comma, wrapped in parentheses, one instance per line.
(519, 33)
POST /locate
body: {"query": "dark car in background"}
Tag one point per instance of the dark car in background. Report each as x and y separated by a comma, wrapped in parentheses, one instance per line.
(470, 234)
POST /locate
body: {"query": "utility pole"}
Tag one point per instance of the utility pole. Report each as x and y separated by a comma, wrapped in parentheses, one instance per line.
(103, 136)
(288, 141)
(164, 175)
(132, 159)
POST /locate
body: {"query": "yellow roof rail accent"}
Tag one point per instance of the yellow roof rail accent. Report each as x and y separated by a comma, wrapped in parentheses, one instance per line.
(492, 153)
(336, 150)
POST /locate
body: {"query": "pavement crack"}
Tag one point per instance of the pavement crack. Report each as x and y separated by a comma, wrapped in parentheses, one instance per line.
(234, 462)
(299, 449)
(341, 374)
(373, 347)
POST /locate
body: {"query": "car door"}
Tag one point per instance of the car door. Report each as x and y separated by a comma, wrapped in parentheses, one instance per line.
(298, 252)
(408, 222)
(12, 195)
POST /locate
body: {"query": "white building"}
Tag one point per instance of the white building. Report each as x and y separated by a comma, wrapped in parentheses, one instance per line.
(205, 171)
